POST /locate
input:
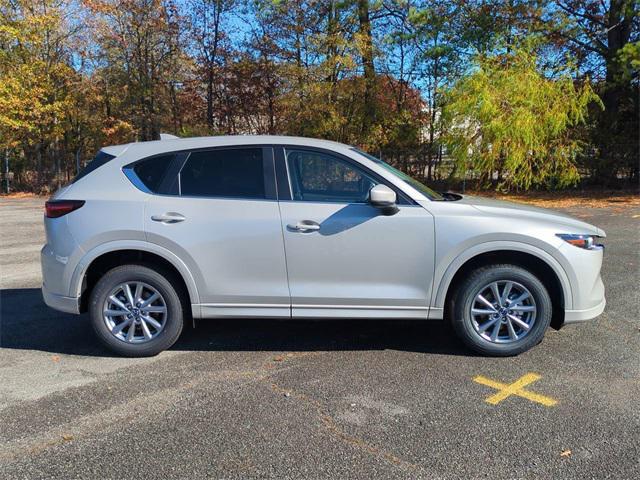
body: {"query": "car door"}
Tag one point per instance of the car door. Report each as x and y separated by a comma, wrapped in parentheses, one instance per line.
(223, 221)
(345, 257)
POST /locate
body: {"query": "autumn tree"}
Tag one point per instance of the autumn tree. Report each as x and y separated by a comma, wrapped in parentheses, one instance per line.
(36, 85)
(508, 120)
(139, 50)
(208, 31)
(390, 76)
(365, 45)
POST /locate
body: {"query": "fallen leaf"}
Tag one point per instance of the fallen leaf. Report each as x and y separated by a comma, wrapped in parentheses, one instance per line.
(55, 358)
(565, 453)
(278, 358)
(67, 437)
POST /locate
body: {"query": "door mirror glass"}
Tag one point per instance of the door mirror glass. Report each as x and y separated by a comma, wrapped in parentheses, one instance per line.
(382, 196)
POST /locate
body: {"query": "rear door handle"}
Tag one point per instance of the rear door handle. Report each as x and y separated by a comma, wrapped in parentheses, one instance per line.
(169, 217)
(304, 226)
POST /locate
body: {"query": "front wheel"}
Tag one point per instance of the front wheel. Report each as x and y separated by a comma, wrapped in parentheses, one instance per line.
(501, 310)
(135, 311)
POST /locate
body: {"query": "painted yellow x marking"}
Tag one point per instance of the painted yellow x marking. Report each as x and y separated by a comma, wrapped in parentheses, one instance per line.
(515, 388)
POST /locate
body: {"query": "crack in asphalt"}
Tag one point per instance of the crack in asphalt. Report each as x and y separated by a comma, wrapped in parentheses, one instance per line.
(135, 411)
(331, 425)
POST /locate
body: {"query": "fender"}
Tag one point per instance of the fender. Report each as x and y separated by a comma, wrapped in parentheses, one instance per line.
(91, 255)
(559, 269)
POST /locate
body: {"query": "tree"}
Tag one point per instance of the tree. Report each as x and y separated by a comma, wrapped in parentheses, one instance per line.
(438, 44)
(507, 119)
(603, 37)
(76, 75)
(365, 41)
(35, 83)
(139, 45)
(207, 29)
(603, 29)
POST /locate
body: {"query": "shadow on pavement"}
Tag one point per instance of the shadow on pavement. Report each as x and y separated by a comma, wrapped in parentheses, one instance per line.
(27, 323)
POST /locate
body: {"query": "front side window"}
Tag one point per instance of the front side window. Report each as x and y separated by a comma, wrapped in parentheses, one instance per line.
(236, 172)
(320, 177)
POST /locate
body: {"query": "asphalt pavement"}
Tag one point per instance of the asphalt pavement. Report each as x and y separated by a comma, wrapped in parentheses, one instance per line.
(325, 399)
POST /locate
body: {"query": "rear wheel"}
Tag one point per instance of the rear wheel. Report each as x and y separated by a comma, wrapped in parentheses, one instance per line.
(501, 310)
(135, 311)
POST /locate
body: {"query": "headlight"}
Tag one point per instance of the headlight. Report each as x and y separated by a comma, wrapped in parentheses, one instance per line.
(588, 242)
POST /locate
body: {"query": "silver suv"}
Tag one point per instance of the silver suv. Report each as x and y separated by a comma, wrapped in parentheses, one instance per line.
(152, 234)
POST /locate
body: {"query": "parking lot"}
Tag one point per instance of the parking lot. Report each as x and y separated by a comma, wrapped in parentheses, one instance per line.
(332, 399)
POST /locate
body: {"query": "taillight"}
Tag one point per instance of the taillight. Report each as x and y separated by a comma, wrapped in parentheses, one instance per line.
(58, 208)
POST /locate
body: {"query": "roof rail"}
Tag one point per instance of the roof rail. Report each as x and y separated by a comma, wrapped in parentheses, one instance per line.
(167, 136)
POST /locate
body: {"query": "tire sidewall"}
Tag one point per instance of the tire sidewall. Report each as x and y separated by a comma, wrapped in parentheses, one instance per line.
(159, 281)
(463, 323)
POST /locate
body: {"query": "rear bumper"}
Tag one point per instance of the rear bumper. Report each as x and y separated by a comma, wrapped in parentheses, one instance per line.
(60, 302)
(576, 316)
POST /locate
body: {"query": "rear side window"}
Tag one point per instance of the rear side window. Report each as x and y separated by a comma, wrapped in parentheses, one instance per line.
(234, 172)
(100, 159)
(152, 172)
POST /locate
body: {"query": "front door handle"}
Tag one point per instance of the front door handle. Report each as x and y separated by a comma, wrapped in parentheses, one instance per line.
(305, 226)
(169, 217)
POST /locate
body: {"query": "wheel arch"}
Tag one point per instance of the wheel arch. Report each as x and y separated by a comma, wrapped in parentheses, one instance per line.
(106, 256)
(539, 262)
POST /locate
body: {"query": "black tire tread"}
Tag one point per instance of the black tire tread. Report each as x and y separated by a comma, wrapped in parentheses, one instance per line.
(159, 278)
(461, 324)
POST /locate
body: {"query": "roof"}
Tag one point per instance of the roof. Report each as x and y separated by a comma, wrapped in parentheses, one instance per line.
(168, 145)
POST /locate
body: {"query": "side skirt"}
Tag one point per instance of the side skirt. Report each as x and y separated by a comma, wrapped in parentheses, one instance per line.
(228, 310)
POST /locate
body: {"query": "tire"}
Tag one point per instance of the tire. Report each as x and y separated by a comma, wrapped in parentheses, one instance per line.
(468, 326)
(171, 319)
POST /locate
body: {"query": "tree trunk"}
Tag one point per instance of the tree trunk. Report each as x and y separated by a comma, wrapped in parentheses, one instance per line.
(369, 68)
(210, 99)
(212, 63)
(619, 22)
(332, 48)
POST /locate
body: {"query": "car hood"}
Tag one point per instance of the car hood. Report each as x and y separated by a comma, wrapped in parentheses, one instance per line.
(501, 208)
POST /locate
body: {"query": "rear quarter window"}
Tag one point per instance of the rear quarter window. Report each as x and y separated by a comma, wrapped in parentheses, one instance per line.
(156, 174)
(153, 171)
(99, 160)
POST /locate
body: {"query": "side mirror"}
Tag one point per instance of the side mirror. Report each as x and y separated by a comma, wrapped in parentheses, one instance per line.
(382, 196)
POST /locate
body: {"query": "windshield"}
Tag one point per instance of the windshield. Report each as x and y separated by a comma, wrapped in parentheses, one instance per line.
(422, 188)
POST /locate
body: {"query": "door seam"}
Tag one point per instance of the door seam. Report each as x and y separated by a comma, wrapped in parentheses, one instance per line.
(284, 246)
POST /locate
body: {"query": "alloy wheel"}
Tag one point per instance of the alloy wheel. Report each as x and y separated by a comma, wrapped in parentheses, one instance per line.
(135, 312)
(503, 311)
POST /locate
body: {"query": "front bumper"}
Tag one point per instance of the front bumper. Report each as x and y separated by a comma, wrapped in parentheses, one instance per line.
(576, 316)
(60, 302)
(588, 292)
